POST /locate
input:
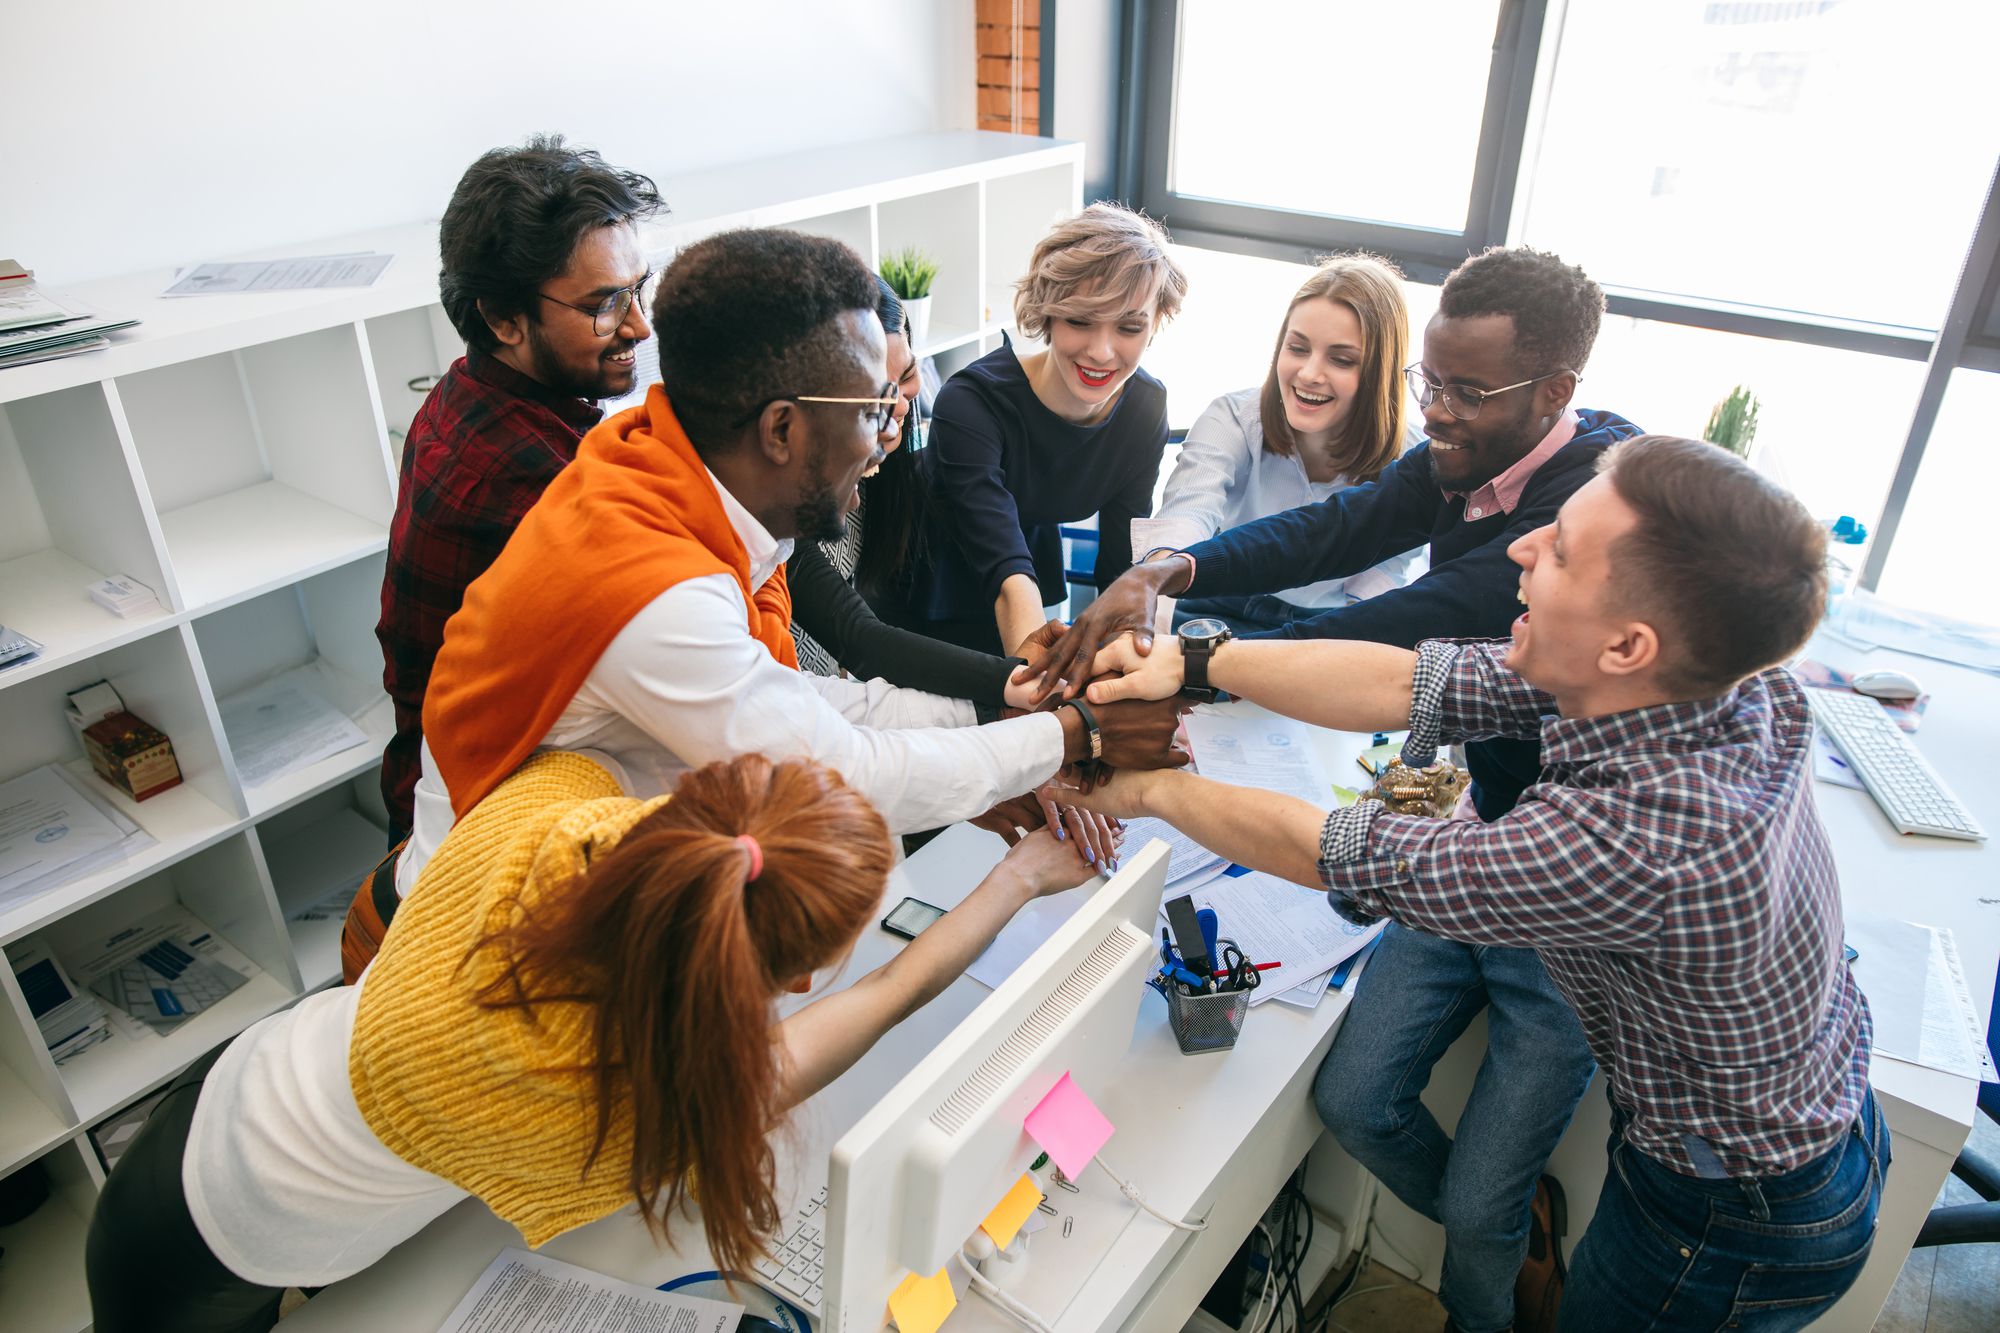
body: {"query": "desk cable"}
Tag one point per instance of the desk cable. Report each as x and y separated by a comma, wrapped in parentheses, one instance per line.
(999, 1299)
(1132, 1192)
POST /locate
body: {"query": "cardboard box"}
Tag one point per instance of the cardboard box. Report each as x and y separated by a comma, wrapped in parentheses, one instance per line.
(132, 755)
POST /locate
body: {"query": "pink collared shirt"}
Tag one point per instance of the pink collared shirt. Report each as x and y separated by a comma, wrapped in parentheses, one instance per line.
(1501, 494)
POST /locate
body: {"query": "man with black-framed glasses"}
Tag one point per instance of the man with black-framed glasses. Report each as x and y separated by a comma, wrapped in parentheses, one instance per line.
(641, 611)
(1500, 365)
(543, 275)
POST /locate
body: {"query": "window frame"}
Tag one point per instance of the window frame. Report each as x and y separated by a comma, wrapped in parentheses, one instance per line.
(1148, 70)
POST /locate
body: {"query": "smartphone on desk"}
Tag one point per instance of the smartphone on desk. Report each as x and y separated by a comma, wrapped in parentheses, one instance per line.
(911, 917)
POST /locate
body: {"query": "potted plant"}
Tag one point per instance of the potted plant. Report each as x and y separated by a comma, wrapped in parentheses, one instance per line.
(910, 273)
(1733, 423)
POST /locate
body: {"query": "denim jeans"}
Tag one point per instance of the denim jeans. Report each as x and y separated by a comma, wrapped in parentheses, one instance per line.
(1668, 1251)
(1416, 997)
(1243, 615)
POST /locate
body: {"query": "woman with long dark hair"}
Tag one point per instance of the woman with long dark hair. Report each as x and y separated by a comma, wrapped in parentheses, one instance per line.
(574, 1011)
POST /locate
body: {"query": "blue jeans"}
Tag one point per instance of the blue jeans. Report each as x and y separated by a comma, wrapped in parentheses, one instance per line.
(1416, 997)
(1243, 615)
(1668, 1251)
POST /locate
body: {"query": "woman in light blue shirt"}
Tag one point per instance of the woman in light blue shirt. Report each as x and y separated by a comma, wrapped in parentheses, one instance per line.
(1330, 415)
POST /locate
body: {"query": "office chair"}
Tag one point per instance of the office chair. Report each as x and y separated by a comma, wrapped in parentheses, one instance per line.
(1974, 1223)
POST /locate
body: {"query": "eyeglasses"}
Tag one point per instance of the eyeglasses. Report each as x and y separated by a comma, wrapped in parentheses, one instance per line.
(608, 314)
(881, 409)
(1461, 400)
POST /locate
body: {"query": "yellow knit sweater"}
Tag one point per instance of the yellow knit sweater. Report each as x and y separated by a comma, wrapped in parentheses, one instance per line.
(477, 1095)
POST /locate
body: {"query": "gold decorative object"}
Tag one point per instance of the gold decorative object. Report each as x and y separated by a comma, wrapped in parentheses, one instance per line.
(1430, 791)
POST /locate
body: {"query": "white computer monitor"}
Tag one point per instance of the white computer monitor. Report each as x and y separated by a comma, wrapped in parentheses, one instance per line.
(910, 1183)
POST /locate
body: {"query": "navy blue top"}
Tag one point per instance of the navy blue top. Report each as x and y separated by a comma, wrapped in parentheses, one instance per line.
(1002, 471)
(1468, 593)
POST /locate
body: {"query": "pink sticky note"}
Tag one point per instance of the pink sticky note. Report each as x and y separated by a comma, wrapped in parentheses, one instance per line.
(1069, 1127)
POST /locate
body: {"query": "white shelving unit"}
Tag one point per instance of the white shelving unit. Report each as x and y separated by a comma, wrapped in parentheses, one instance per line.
(239, 454)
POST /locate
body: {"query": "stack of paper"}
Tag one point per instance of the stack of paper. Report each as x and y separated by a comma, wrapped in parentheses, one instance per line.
(123, 596)
(71, 1021)
(284, 725)
(1273, 920)
(16, 647)
(305, 273)
(53, 828)
(37, 325)
(164, 969)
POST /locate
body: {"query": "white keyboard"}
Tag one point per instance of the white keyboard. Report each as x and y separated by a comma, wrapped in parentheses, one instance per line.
(1888, 762)
(796, 1264)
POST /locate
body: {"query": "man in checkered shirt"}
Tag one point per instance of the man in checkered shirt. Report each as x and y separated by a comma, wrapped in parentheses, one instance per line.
(1670, 868)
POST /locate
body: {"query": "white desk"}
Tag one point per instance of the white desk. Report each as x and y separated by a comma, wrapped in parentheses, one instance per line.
(1219, 1134)
(1211, 1134)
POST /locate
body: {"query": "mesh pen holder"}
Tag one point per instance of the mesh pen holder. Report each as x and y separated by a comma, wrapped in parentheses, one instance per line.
(1206, 1022)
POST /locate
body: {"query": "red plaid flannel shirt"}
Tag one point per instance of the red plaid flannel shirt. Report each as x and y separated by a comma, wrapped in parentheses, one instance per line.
(486, 443)
(1672, 872)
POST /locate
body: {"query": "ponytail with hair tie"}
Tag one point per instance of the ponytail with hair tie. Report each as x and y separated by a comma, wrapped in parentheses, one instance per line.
(756, 857)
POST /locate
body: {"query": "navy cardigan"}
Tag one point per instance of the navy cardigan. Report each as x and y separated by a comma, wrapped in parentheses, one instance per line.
(1468, 593)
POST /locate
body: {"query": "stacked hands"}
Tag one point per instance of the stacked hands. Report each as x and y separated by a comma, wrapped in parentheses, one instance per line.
(1133, 692)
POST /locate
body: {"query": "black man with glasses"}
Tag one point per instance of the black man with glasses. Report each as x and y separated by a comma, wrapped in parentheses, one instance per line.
(641, 611)
(1499, 368)
(542, 273)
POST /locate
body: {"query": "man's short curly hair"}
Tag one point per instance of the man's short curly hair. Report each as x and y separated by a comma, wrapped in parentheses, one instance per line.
(515, 218)
(747, 316)
(1556, 308)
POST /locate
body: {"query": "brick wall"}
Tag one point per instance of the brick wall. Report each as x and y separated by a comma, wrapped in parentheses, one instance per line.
(1002, 50)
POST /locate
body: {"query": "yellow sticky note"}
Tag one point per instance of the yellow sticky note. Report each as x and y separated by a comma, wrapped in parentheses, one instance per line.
(920, 1304)
(1005, 1220)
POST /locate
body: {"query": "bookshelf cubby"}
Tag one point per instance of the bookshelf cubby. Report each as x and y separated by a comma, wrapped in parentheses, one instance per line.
(239, 455)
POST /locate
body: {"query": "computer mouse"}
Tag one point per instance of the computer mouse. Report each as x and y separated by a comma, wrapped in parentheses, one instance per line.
(1892, 685)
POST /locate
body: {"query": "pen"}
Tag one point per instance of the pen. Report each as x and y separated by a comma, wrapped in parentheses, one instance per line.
(1254, 967)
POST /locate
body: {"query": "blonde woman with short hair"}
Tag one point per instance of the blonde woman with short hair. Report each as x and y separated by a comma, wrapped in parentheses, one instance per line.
(1330, 415)
(1023, 440)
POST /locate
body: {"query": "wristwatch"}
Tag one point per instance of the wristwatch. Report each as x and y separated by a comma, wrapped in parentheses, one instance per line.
(1200, 639)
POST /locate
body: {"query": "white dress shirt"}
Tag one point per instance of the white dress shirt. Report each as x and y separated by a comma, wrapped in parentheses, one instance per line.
(684, 684)
(1225, 477)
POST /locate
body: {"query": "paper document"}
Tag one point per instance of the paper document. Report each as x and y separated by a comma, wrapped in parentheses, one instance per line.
(1276, 921)
(1270, 753)
(71, 1020)
(1918, 1000)
(53, 828)
(530, 1293)
(1188, 862)
(1027, 932)
(306, 273)
(278, 728)
(164, 969)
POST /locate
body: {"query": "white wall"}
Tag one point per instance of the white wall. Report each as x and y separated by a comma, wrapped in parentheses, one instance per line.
(146, 134)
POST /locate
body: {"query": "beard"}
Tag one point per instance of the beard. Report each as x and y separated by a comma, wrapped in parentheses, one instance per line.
(817, 516)
(553, 375)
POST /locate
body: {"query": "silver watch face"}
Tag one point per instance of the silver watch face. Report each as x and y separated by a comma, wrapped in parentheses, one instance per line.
(1206, 630)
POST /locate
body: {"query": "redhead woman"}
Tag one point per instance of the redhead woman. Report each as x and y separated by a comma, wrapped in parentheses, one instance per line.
(574, 1012)
(1329, 415)
(1022, 441)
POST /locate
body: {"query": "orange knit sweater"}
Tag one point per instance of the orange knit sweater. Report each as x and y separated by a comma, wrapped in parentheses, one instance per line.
(635, 514)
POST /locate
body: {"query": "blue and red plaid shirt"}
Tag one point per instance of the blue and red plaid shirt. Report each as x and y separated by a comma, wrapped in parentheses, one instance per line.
(485, 444)
(1672, 872)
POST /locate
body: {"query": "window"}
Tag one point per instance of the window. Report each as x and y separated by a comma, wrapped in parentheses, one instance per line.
(1280, 121)
(1939, 561)
(1774, 193)
(1826, 157)
(1270, 112)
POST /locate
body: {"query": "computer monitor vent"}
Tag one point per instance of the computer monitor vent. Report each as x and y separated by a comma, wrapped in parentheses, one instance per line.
(1020, 1046)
